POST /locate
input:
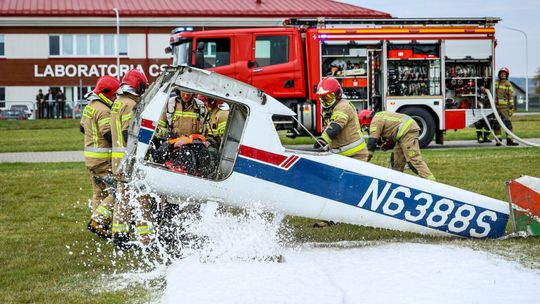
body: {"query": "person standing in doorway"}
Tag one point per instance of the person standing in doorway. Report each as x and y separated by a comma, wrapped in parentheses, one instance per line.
(49, 98)
(60, 103)
(40, 104)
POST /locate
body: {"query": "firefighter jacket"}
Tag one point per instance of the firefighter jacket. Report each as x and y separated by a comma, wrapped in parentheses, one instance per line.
(121, 113)
(95, 122)
(349, 140)
(185, 120)
(391, 126)
(505, 94)
(215, 122)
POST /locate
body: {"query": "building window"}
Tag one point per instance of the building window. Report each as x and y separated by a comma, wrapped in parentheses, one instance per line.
(95, 45)
(271, 50)
(54, 45)
(83, 45)
(67, 45)
(2, 46)
(123, 47)
(108, 45)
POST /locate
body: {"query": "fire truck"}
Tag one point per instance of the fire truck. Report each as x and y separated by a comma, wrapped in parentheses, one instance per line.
(433, 70)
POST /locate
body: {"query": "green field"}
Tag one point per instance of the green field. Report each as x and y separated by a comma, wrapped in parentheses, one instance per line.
(47, 256)
(40, 135)
(64, 135)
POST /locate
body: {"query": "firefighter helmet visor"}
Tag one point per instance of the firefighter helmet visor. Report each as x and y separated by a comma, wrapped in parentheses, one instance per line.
(327, 100)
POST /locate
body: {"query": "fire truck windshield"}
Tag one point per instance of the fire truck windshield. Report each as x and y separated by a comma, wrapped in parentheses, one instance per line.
(182, 53)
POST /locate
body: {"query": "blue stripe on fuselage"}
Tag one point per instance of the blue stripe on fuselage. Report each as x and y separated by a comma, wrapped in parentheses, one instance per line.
(349, 187)
(145, 135)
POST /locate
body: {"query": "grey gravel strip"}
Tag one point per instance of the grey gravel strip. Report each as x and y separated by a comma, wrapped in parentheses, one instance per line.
(78, 156)
(42, 157)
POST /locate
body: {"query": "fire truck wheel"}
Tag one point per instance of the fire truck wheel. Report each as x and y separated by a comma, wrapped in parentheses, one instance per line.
(425, 121)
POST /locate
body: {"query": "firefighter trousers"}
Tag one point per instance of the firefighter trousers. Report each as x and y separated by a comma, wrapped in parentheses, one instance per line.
(407, 151)
(505, 117)
(132, 208)
(102, 199)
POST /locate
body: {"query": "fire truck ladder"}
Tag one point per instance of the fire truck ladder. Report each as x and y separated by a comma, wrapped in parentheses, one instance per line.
(323, 22)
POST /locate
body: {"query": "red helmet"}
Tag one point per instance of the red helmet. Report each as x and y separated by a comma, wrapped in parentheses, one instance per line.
(210, 102)
(136, 80)
(329, 91)
(365, 117)
(106, 87)
(506, 70)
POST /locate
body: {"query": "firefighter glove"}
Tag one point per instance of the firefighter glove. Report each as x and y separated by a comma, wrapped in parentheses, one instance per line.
(320, 144)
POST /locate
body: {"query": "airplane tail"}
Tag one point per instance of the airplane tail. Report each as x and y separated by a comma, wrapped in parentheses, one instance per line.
(524, 195)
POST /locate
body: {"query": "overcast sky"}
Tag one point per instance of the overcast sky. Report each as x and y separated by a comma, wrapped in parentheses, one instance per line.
(519, 14)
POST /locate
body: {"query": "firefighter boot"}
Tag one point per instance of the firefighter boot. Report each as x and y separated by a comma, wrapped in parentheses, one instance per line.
(323, 224)
(486, 137)
(102, 230)
(479, 137)
(510, 142)
(121, 240)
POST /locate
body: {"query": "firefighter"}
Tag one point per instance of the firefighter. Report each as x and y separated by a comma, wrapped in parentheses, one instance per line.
(342, 133)
(505, 104)
(400, 132)
(96, 127)
(183, 116)
(215, 119)
(133, 85)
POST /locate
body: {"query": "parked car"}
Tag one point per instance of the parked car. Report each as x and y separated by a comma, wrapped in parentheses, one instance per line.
(13, 115)
(22, 108)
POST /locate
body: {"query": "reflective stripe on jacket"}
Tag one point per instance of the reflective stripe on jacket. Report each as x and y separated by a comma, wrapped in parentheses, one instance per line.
(121, 114)
(391, 125)
(95, 121)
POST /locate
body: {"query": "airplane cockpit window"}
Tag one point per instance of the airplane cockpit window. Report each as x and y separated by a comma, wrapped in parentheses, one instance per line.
(198, 135)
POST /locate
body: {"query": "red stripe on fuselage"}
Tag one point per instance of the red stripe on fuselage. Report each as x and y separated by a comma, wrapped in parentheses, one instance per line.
(291, 162)
(261, 155)
(148, 124)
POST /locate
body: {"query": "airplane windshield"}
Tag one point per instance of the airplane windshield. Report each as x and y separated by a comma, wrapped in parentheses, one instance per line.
(198, 135)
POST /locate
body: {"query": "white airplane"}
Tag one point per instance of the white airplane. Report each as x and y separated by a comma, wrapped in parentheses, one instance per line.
(255, 168)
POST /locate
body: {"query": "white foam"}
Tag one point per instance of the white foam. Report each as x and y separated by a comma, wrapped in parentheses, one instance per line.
(389, 273)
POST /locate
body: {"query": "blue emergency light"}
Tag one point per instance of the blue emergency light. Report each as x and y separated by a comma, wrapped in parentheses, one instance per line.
(182, 29)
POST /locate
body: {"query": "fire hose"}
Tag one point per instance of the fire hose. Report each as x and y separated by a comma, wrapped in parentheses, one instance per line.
(501, 123)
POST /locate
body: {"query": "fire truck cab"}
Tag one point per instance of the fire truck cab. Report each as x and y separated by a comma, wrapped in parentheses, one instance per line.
(431, 69)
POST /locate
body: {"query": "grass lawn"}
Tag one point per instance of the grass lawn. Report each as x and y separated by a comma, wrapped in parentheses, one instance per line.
(40, 135)
(64, 135)
(43, 213)
(525, 126)
(47, 256)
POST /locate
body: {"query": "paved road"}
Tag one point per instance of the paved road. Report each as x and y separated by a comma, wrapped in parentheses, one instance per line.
(78, 156)
(42, 157)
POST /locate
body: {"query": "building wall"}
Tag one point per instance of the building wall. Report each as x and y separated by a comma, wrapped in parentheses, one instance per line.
(27, 65)
(157, 44)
